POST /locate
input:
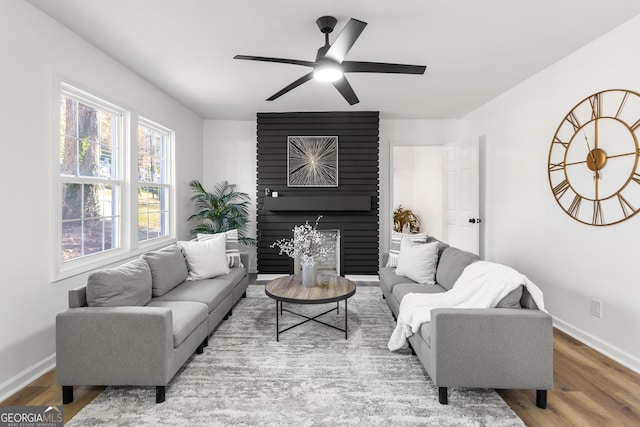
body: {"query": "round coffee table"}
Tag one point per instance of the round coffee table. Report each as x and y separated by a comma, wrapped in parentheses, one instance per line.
(329, 289)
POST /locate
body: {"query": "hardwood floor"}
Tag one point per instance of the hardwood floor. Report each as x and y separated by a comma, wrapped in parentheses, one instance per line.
(589, 390)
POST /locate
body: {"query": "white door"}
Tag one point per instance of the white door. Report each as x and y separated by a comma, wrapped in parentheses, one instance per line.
(461, 195)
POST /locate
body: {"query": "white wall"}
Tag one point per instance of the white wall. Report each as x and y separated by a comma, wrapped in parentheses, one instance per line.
(417, 184)
(525, 228)
(36, 52)
(230, 152)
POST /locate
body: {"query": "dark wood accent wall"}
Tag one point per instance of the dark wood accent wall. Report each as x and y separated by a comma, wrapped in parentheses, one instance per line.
(341, 207)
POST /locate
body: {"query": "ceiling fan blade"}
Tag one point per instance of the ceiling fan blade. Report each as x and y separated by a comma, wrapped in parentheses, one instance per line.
(345, 89)
(345, 40)
(293, 85)
(280, 60)
(381, 67)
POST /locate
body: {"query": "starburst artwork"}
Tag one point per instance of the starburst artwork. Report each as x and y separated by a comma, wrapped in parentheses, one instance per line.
(312, 161)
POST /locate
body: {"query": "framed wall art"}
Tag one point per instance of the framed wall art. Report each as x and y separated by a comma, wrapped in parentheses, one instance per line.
(312, 161)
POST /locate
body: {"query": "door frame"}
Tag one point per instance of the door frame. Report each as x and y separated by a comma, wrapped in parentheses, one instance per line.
(482, 141)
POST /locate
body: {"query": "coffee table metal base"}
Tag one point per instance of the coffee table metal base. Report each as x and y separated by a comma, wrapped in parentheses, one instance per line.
(280, 311)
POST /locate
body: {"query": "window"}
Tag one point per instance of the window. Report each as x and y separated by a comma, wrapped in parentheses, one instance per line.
(90, 145)
(153, 181)
(114, 183)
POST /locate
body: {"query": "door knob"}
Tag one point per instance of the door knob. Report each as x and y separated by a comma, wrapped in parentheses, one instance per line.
(475, 220)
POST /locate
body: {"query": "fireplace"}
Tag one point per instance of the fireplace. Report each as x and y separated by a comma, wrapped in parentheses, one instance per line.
(331, 241)
(351, 208)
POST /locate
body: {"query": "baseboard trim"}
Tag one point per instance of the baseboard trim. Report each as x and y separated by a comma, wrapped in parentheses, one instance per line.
(362, 277)
(612, 352)
(26, 377)
(269, 276)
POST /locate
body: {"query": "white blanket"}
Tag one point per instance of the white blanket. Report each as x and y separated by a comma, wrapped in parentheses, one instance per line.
(482, 284)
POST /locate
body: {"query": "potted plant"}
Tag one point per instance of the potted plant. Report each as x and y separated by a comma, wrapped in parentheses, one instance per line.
(405, 219)
(306, 245)
(222, 210)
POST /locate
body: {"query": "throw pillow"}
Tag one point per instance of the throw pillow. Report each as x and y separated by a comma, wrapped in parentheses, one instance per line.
(206, 259)
(168, 269)
(233, 246)
(126, 285)
(418, 261)
(512, 299)
(396, 239)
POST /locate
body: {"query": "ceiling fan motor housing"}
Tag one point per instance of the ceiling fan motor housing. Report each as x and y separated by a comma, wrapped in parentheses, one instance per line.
(326, 23)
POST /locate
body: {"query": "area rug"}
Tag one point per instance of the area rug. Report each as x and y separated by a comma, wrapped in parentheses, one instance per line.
(312, 377)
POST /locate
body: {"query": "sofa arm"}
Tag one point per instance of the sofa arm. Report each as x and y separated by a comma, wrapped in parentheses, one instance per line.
(244, 258)
(114, 346)
(494, 348)
(383, 259)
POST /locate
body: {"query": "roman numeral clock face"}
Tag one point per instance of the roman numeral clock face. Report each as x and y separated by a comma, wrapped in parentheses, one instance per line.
(594, 171)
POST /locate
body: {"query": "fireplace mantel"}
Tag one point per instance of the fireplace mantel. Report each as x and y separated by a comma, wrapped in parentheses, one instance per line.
(318, 203)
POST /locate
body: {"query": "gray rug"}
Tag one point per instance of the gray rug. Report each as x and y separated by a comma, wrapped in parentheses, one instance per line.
(312, 377)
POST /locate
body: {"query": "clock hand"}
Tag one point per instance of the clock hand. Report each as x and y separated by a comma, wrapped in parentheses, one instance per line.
(596, 175)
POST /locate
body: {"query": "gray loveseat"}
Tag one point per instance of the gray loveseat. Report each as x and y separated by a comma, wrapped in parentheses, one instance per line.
(507, 347)
(145, 338)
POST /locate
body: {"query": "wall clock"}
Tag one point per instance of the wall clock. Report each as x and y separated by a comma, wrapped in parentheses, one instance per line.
(594, 172)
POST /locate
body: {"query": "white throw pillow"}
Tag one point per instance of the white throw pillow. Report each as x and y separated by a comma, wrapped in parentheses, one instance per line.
(418, 261)
(206, 259)
(233, 246)
(396, 239)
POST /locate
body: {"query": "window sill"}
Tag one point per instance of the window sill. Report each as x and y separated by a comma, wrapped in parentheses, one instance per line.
(101, 261)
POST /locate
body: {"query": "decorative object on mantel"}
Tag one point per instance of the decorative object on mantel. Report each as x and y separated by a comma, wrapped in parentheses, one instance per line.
(594, 167)
(223, 210)
(312, 161)
(306, 245)
(404, 220)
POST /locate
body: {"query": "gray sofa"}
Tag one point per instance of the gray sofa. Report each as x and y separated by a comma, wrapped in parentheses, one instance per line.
(507, 347)
(144, 341)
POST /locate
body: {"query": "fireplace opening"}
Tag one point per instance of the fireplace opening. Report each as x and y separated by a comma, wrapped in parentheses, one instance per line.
(331, 241)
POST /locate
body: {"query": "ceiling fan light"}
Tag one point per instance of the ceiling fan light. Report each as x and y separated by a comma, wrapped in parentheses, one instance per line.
(327, 73)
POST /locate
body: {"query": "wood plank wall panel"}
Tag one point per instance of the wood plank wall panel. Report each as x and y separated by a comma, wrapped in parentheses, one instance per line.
(357, 134)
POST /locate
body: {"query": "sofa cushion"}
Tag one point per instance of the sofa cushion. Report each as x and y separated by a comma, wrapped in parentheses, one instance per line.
(232, 246)
(210, 291)
(402, 289)
(206, 259)
(168, 269)
(126, 285)
(396, 241)
(186, 317)
(389, 278)
(418, 261)
(451, 264)
(512, 299)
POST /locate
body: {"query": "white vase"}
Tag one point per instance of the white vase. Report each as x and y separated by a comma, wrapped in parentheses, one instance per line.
(309, 276)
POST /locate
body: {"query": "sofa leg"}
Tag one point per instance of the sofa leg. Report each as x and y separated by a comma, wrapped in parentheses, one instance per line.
(383, 297)
(244, 294)
(206, 341)
(160, 393)
(231, 312)
(442, 395)
(200, 348)
(541, 399)
(67, 394)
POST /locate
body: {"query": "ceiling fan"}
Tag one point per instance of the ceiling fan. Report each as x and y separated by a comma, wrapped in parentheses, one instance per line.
(330, 65)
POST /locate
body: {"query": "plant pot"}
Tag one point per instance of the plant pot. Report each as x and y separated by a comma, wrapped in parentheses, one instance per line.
(309, 276)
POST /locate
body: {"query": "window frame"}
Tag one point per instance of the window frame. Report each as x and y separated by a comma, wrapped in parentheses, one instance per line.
(126, 167)
(169, 183)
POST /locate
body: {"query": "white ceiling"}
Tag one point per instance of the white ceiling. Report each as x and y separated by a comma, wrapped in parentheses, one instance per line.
(473, 49)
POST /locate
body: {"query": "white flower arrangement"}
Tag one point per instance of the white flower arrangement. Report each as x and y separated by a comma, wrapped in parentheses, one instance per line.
(307, 244)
